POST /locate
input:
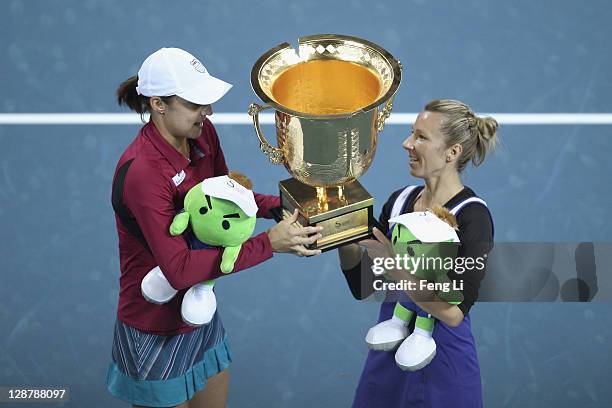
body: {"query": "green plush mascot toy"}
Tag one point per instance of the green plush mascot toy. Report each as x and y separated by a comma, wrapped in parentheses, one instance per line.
(430, 239)
(218, 212)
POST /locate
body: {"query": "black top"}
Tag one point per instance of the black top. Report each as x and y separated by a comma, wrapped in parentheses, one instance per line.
(475, 233)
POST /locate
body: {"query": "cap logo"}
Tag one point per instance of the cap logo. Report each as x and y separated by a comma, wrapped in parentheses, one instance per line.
(230, 183)
(197, 65)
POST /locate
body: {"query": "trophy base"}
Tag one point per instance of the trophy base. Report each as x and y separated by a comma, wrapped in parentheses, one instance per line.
(345, 214)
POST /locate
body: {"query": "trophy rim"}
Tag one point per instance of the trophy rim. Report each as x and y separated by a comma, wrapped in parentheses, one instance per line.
(395, 64)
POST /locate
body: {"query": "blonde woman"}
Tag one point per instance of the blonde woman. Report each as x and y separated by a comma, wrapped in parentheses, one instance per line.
(446, 136)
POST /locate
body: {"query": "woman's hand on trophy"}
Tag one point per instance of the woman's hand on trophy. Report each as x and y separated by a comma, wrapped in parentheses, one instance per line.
(286, 237)
(379, 247)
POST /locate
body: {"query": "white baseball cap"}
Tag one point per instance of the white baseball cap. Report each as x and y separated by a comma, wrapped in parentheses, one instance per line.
(172, 71)
(227, 189)
(427, 227)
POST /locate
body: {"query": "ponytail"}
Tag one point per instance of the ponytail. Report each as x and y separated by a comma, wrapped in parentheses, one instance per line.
(486, 138)
(127, 95)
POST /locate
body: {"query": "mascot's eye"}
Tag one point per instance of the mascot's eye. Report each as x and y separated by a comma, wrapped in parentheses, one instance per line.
(225, 224)
(203, 210)
(410, 250)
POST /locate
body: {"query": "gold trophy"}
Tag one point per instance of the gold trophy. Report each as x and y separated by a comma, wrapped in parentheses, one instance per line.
(330, 99)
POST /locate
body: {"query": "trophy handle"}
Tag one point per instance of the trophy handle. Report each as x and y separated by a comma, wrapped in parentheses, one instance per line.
(384, 114)
(274, 153)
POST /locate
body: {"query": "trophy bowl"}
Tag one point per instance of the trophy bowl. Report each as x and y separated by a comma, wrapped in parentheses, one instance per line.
(330, 100)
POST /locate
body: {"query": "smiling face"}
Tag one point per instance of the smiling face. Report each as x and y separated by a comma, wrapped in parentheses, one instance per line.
(215, 221)
(427, 150)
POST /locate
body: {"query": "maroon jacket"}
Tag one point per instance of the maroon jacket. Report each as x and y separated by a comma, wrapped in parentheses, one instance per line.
(153, 190)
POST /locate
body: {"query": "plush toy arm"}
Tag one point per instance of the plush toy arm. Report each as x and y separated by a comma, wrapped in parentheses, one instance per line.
(230, 254)
(179, 224)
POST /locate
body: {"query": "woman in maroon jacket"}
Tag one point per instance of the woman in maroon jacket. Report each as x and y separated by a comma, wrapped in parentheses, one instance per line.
(157, 359)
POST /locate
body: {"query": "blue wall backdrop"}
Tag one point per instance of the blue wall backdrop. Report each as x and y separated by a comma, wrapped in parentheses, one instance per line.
(296, 333)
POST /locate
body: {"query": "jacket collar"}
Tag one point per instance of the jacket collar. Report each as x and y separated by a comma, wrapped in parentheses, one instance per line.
(198, 148)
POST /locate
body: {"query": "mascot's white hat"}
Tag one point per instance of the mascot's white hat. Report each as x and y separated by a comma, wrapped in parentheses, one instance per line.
(427, 227)
(227, 189)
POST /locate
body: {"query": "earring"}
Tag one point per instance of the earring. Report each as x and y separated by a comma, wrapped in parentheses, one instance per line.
(161, 112)
(448, 158)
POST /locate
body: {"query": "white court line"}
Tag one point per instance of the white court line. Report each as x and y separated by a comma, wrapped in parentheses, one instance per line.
(268, 118)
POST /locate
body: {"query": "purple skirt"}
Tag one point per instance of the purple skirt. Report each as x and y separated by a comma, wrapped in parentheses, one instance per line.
(452, 379)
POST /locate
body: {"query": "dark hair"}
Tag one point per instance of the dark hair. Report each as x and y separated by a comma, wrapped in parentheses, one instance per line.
(127, 95)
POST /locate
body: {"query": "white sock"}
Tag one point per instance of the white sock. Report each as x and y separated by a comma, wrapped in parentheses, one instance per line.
(399, 321)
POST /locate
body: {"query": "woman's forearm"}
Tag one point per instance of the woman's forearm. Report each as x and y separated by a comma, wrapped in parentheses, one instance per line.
(353, 262)
(451, 315)
(350, 256)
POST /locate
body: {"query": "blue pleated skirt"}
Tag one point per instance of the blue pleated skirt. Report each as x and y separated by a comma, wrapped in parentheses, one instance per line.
(164, 371)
